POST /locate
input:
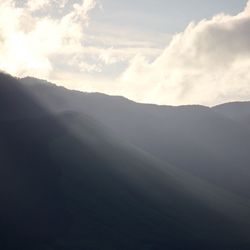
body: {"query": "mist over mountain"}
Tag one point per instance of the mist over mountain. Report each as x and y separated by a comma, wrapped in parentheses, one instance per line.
(211, 143)
(90, 171)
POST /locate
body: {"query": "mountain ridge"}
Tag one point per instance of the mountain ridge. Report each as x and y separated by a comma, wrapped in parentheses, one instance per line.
(70, 180)
(219, 142)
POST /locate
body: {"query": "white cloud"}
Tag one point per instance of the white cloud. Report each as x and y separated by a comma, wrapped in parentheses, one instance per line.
(208, 63)
(29, 42)
(45, 38)
(86, 67)
(37, 4)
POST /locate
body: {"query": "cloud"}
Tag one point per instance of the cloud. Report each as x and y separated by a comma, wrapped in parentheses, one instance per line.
(86, 67)
(208, 63)
(46, 38)
(38, 4)
(30, 43)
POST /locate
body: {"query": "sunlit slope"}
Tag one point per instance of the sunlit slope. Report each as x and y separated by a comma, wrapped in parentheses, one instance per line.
(197, 139)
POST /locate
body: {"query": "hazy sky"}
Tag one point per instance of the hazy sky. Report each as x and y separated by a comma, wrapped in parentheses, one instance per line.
(157, 51)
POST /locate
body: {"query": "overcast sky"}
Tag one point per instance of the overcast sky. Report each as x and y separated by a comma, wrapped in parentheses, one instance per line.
(153, 51)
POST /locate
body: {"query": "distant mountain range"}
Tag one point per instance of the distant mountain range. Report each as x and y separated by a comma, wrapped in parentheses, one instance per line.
(91, 171)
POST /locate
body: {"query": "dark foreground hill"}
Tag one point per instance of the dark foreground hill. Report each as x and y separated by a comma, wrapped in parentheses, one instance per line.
(67, 182)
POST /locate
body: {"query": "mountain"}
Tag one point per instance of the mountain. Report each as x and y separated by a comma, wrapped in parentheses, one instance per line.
(205, 142)
(237, 111)
(68, 181)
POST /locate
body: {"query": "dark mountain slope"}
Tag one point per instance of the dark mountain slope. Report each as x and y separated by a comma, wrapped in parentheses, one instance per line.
(67, 183)
(15, 102)
(194, 138)
(234, 110)
(237, 111)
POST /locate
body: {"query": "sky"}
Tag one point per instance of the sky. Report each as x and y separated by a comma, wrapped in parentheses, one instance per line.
(168, 52)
